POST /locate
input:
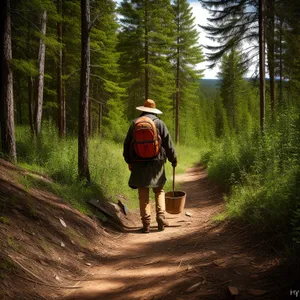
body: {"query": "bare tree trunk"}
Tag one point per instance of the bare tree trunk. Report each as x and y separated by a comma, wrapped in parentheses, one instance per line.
(60, 97)
(262, 74)
(83, 162)
(100, 112)
(271, 51)
(146, 53)
(174, 113)
(40, 81)
(7, 100)
(90, 108)
(64, 111)
(30, 88)
(281, 64)
(90, 119)
(30, 106)
(99, 117)
(177, 82)
(19, 102)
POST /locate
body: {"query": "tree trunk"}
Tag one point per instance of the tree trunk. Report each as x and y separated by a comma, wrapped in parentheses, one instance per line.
(177, 82)
(177, 104)
(99, 117)
(281, 64)
(30, 106)
(60, 97)
(146, 53)
(271, 51)
(90, 119)
(83, 166)
(90, 109)
(30, 87)
(262, 63)
(40, 79)
(6, 83)
(19, 102)
(64, 112)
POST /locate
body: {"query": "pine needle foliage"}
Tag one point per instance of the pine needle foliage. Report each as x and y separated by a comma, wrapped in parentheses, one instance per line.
(146, 35)
(106, 90)
(185, 57)
(231, 23)
(236, 96)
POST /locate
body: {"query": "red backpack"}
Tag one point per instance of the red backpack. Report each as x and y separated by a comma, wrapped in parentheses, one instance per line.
(146, 140)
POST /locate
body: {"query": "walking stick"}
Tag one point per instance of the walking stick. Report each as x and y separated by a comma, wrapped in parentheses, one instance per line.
(173, 180)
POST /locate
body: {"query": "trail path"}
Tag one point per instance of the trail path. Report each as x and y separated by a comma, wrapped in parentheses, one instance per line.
(195, 258)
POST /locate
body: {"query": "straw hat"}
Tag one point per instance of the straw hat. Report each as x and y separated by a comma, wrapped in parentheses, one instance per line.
(149, 106)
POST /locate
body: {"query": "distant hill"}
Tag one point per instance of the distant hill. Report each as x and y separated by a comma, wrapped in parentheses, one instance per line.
(209, 87)
(210, 82)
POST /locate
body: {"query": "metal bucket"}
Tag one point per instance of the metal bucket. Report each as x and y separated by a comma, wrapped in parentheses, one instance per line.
(175, 202)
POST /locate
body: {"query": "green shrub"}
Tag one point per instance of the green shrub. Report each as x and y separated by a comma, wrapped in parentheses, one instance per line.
(262, 174)
(230, 158)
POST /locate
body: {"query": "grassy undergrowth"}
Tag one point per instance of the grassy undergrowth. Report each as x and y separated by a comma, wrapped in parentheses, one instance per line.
(109, 173)
(261, 175)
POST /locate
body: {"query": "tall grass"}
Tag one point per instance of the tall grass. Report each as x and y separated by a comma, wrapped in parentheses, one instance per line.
(109, 173)
(262, 174)
(230, 158)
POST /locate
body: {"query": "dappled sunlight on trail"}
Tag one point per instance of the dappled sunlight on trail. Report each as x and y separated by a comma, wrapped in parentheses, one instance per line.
(196, 259)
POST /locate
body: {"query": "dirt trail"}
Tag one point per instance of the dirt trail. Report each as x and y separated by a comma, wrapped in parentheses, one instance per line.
(193, 251)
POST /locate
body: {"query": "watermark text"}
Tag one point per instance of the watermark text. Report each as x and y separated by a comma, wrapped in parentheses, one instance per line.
(295, 293)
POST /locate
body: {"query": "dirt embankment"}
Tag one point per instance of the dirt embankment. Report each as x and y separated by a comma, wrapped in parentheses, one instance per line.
(46, 245)
(51, 251)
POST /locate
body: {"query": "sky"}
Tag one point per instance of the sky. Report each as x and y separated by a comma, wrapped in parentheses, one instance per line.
(201, 16)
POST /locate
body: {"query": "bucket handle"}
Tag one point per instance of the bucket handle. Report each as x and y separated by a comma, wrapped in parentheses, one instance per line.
(173, 180)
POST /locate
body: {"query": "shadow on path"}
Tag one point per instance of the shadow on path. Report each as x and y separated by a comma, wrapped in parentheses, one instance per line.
(196, 258)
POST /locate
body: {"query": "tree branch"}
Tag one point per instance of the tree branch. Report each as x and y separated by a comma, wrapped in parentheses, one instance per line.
(93, 22)
(72, 73)
(98, 101)
(29, 22)
(97, 76)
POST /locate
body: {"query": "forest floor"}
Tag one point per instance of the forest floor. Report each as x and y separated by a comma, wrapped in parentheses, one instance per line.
(51, 251)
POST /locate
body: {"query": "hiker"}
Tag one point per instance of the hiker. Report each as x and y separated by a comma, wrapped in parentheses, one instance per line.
(145, 151)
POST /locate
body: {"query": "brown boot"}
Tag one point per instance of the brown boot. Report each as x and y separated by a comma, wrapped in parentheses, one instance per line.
(146, 228)
(162, 222)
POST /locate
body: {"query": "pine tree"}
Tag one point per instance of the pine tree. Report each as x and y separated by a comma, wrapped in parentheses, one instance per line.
(221, 120)
(83, 162)
(234, 22)
(106, 92)
(235, 94)
(25, 55)
(187, 54)
(28, 40)
(7, 101)
(39, 98)
(262, 77)
(146, 36)
(71, 13)
(288, 47)
(60, 95)
(131, 59)
(160, 39)
(270, 41)
(206, 129)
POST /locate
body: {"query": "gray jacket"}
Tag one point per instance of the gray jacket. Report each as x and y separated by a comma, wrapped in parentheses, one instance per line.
(150, 173)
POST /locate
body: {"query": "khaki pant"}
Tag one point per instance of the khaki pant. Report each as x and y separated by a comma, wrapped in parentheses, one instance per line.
(145, 208)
